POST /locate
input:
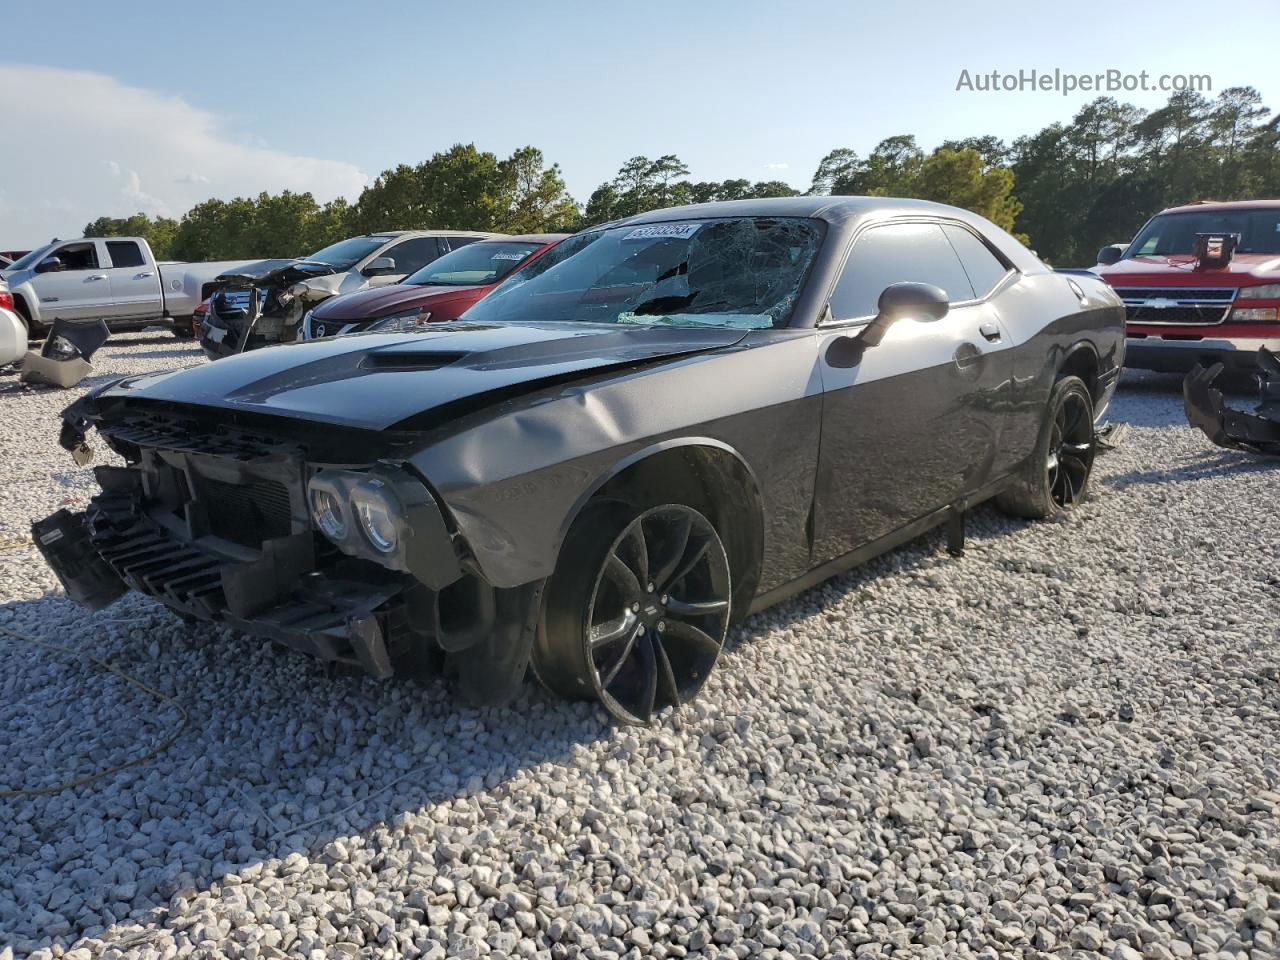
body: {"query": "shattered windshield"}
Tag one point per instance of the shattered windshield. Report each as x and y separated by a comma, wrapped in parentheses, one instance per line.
(347, 253)
(744, 272)
(475, 263)
(1173, 234)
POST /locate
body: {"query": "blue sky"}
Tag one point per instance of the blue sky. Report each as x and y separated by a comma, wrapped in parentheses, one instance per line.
(324, 95)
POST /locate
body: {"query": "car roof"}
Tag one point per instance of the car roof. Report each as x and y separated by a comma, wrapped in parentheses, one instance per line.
(844, 216)
(547, 238)
(392, 234)
(1222, 206)
(830, 209)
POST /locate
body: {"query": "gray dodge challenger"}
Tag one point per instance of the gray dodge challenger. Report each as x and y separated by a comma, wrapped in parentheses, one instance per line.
(666, 423)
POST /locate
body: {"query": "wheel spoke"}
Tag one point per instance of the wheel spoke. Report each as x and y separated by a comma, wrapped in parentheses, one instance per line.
(622, 575)
(1077, 413)
(611, 630)
(607, 677)
(693, 554)
(640, 550)
(703, 642)
(648, 662)
(675, 552)
(685, 608)
(667, 686)
(1077, 448)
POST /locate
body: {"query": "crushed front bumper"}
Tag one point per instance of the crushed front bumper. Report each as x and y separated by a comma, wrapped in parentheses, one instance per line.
(340, 611)
(1235, 429)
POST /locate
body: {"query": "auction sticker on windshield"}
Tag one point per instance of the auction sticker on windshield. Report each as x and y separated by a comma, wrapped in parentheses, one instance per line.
(664, 231)
(508, 256)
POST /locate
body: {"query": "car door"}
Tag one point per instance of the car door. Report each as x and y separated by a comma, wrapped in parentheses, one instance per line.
(135, 283)
(81, 289)
(410, 256)
(906, 424)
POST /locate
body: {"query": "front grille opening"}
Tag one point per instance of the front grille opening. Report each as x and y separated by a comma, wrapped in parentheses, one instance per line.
(248, 512)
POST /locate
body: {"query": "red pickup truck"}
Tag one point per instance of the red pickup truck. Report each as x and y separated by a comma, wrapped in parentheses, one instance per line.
(1201, 284)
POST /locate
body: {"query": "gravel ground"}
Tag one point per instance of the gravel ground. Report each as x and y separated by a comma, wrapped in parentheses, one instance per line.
(1065, 743)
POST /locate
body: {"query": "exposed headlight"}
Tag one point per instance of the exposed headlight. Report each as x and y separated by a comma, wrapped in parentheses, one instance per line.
(377, 515)
(330, 518)
(386, 515)
(401, 321)
(1254, 314)
(1266, 291)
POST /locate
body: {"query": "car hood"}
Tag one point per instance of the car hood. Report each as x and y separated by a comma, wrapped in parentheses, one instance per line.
(1184, 270)
(377, 380)
(275, 271)
(381, 301)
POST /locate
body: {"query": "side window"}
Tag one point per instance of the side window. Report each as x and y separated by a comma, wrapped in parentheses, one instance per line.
(78, 256)
(413, 254)
(125, 253)
(456, 242)
(894, 253)
(982, 266)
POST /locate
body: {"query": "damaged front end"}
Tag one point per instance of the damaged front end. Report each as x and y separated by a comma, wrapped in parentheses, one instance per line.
(1235, 429)
(261, 305)
(321, 540)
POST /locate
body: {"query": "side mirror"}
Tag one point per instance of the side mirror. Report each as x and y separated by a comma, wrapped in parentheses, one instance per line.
(1110, 254)
(380, 266)
(49, 265)
(919, 301)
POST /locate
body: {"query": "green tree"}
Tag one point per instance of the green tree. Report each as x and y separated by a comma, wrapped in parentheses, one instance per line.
(537, 199)
(159, 233)
(959, 177)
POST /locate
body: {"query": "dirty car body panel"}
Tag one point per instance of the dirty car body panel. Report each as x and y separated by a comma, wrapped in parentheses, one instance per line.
(491, 435)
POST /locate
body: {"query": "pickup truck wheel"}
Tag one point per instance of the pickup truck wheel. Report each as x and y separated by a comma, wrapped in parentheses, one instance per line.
(1056, 477)
(182, 328)
(637, 610)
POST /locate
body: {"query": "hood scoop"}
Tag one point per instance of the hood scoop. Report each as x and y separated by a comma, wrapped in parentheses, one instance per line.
(407, 360)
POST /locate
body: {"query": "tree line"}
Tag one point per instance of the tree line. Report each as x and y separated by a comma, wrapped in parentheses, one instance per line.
(1065, 191)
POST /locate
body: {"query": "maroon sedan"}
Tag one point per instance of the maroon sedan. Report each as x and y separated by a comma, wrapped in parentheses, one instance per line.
(440, 291)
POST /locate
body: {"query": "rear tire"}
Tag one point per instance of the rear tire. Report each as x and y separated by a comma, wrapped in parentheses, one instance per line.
(182, 329)
(637, 610)
(1056, 476)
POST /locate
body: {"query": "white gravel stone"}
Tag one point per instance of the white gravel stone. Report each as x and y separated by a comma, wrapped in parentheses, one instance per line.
(1064, 742)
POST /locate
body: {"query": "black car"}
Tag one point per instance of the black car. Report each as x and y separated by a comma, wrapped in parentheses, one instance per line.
(664, 424)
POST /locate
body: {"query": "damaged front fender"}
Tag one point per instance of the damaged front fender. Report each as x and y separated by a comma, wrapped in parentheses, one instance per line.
(1235, 429)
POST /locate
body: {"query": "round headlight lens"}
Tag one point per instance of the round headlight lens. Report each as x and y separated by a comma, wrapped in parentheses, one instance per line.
(377, 521)
(327, 512)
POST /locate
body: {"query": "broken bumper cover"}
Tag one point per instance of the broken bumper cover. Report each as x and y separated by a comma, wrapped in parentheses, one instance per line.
(1235, 429)
(114, 547)
(296, 590)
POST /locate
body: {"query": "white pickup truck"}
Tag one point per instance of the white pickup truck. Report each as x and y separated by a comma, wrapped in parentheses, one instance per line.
(115, 279)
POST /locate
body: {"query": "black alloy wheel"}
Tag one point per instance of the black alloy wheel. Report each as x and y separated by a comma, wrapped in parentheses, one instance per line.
(637, 617)
(1071, 451)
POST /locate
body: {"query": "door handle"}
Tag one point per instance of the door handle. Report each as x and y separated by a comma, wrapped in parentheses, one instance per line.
(142, 276)
(96, 276)
(990, 331)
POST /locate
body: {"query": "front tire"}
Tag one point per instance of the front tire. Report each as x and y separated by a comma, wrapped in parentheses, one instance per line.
(1056, 476)
(636, 611)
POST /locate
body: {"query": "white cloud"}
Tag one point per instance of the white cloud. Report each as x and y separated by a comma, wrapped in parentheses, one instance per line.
(96, 147)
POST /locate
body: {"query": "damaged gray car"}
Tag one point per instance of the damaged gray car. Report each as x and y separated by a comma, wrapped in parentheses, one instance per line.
(663, 425)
